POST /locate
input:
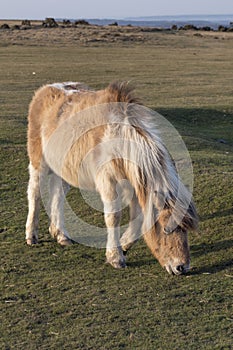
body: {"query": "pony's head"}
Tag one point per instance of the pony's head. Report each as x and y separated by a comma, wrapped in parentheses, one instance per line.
(168, 239)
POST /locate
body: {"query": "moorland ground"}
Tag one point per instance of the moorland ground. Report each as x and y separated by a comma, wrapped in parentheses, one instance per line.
(68, 298)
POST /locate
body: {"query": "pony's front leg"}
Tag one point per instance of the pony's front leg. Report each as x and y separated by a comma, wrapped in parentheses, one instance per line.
(58, 191)
(114, 253)
(112, 215)
(133, 232)
(33, 205)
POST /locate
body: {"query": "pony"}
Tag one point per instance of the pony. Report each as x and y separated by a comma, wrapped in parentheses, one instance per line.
(105, 141)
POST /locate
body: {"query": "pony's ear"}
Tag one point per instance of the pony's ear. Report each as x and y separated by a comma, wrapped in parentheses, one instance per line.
(190, 220)
(168, 230)
(163, 201)
(170, 225)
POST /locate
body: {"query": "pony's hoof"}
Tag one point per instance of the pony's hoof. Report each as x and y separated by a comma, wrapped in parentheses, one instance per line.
(65, 242)
(31, 241)
(119, 265)
(115, 258)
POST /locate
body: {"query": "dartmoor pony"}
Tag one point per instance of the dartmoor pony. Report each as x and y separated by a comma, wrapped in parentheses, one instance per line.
(107, 142)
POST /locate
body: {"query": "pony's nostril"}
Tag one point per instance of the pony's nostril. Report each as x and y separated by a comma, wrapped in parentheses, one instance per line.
(180, 268)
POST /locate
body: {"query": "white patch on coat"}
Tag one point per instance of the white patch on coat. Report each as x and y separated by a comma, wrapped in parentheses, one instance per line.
(70, 87)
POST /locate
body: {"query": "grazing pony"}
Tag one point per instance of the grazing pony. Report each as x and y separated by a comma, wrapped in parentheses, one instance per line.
(105, 141)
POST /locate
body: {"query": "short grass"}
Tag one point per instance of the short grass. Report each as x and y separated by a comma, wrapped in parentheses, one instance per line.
(54, 298)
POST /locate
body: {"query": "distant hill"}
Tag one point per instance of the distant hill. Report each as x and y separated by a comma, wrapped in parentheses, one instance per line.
(206, 18)
(212, 21)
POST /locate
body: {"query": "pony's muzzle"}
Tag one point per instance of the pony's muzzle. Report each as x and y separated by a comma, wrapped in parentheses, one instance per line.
(180, 268)
(177, 270)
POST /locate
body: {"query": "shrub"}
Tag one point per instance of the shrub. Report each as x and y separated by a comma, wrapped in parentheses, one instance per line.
(222, 29)
(82, 22)
(5, 26)
(199, 35)
(114, 24)
(16, 26)
(26, 22)
(206, 29)
(66, 22)
(49, 23)
(174, 27)
(189, 27)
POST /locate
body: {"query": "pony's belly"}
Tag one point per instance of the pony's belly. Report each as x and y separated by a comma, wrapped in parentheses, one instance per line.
(78, 179)
(79, 176)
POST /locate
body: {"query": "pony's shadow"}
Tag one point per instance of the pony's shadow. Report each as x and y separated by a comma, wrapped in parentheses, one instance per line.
(218, 214)
(212, 269)
(205, 249)
(140, 263)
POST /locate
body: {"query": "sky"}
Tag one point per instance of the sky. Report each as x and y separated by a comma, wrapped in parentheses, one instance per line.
(76, 9)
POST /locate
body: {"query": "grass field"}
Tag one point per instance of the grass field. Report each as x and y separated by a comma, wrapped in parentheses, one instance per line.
(54, 298)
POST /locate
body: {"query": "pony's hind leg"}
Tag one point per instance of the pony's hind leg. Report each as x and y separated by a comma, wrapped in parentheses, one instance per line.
(132, 234)
(58, 191)
(33, 205)
(112, 215)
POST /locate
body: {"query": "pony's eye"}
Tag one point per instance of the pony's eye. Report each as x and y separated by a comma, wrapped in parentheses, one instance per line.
(167, 230)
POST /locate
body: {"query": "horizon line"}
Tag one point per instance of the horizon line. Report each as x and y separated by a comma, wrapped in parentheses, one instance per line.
(120, 18)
